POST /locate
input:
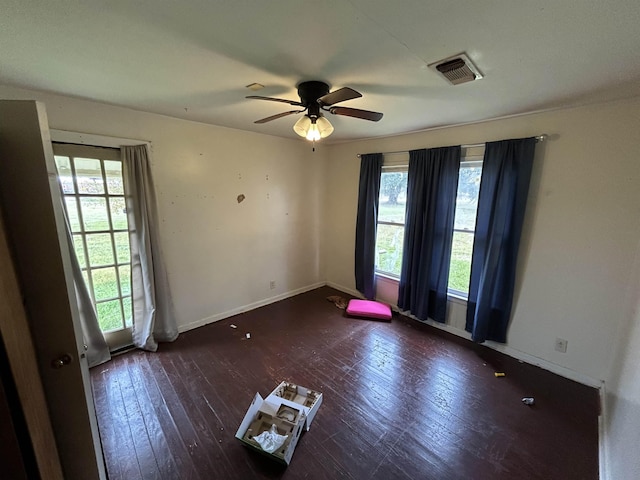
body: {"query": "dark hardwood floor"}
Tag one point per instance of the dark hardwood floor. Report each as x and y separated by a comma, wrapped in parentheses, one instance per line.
(402, 400)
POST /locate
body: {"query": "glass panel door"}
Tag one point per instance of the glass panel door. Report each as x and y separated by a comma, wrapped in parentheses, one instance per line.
(93, 190)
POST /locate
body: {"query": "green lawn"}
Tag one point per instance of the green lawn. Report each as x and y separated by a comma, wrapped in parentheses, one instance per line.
(460, 269)
(106, 265)
(105, 270)
(390, 240)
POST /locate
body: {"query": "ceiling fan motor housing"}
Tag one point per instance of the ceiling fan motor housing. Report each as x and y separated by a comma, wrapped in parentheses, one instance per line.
(309, 93)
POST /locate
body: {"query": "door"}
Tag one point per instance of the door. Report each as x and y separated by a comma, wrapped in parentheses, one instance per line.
(95, 203)
(20, 375)
(32, 211)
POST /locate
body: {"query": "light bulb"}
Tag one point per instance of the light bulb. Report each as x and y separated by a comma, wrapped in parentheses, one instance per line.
(313, 129)
(313, 133)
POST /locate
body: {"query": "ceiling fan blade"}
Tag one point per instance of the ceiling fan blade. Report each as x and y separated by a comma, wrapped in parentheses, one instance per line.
(271, 99)
(356, 113)
(340, 95)
(279, 115)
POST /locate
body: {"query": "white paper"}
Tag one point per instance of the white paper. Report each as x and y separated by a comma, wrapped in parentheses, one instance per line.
(270, 440)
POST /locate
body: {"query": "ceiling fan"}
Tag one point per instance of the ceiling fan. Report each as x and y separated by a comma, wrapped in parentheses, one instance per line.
(315, 99)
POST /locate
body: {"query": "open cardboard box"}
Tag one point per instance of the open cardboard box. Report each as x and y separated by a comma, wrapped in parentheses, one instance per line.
(290, 408)
(296, 396)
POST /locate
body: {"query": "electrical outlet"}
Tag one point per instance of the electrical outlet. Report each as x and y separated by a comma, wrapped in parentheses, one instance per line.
(272, 284)
(561, 345)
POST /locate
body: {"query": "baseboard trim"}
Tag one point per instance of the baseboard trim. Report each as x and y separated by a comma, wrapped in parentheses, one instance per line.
(344, 289)
(507, 350)
(245, 308)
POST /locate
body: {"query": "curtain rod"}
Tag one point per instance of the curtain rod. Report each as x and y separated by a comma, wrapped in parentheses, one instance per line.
(539, 139)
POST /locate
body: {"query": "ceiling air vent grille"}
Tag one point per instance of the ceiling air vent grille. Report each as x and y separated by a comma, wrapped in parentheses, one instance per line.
(457, 69)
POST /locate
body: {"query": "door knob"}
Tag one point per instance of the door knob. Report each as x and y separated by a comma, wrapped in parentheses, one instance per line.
(61, 361)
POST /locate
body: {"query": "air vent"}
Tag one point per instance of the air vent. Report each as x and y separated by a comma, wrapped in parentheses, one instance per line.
(457, 69)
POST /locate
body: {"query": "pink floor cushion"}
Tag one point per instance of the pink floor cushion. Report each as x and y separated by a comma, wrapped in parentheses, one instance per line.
(369, 309)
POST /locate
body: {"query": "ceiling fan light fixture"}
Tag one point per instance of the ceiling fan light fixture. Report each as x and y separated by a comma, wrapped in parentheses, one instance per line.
(324, 127)
(313, 129)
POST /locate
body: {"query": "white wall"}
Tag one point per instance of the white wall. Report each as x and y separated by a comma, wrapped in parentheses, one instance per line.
(579, 235)
(221, 255)
(622, 421)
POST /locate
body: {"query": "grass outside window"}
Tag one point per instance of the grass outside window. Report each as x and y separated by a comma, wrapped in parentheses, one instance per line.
(95, 206)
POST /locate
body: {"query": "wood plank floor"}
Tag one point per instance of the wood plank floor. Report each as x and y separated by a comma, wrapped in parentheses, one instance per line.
(402, 400)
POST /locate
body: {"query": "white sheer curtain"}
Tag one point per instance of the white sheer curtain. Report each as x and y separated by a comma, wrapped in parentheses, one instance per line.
(95, 344)
(154, 318)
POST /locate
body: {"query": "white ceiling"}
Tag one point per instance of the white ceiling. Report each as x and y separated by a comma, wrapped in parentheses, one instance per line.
(193, 58)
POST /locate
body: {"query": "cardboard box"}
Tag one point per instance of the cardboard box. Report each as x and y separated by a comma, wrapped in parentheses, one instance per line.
(297, 396)
(290, 408)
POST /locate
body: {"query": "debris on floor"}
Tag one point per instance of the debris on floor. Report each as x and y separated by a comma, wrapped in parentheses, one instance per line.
(233, 326)
(338, 301)
(248, 335)
(499, 374)
(528, 400)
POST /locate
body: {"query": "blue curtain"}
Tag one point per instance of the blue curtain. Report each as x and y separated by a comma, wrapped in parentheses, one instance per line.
(506, 172)
(431, 203)
(366, 223)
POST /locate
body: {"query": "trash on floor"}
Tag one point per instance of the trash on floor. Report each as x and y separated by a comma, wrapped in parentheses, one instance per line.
(233, 326)
(528, 400)
(338, 301)
(500, 374)
(248, 335)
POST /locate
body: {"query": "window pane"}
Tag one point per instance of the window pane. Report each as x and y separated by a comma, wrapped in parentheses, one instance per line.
(63, 165)
(128, 316)
(109, 315)
(89, 175)
(113, 170)
(100, 249)
(94, 213)
(460, 270)
(72, 213)
(389, 248)
(105, 283)
(467, 199)
(393, 197)
(118, 213)
(122, 247)
(125, 279)
(79, 248)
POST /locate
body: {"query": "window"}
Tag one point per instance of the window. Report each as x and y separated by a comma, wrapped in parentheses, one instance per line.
(93, 191)
(391, 216)
(464, 226)
(391, 212)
